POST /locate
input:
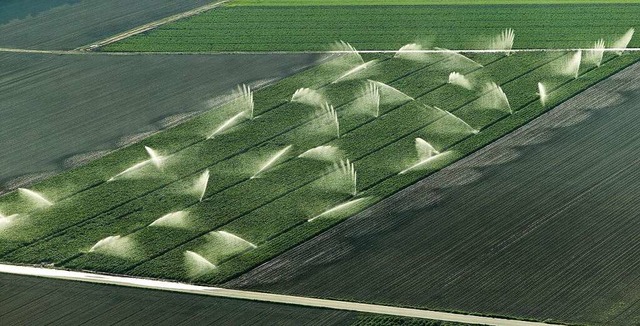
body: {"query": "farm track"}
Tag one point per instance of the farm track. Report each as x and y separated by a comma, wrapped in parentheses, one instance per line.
(542, 239)
(28, 300)
(151, 25)
(261, 297)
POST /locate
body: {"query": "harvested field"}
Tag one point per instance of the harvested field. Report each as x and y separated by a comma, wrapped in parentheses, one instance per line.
(540, 224)
(61, 111)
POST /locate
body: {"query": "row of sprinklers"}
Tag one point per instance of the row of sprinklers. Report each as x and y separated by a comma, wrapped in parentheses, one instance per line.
(369, 101)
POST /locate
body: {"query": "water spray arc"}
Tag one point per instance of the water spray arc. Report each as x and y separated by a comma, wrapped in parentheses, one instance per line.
(621, 44)
(338, 208)
(326, 153)
(271, 161)
(154, 158)
(349, 175)
(542, 93)
(594, 56)
(458, 79)
(200, 185)
(504, 41)
(308, 96)
(426, 153)
(35, 197)
(227, 124)
(332, 118)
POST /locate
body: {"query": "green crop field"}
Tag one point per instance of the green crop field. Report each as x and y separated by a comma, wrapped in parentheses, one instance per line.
(312, 28)
(242, 221)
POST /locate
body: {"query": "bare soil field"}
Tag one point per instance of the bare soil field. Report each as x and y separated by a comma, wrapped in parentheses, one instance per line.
(38, 301)
(540, 224)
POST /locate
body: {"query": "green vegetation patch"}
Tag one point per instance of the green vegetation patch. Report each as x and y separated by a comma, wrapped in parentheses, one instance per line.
(309, 28)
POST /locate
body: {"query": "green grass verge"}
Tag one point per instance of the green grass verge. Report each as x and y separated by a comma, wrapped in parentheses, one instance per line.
(309, 28)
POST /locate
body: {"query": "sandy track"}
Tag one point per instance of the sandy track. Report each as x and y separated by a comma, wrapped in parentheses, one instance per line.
(258, 296)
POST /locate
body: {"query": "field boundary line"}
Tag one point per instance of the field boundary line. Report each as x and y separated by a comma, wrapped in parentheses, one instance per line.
(149, 26)
(258, 296)
(87, 51)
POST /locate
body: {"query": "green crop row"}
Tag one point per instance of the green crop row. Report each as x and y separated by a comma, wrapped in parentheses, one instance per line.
(300, 28)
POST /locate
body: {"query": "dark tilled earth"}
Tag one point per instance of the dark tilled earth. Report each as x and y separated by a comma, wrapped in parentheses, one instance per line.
(38, 301)
(542, 224)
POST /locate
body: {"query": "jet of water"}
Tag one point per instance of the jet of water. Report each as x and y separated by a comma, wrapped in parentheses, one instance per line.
(462, 122)
(594, 56)
(114, 246)
(504, 41)
(234, 239)
(200, 186)
(457, 59)
(271, 161)
(7, 221)
(154, 158)
(542, 92)
(197, 265)
(323, 153)
(245, 97)
(424, 149)
(354, 72)
(389, 94)
(572, 64)
(172, 220)
(369, 100)
(338, 208)
(459, 79)
(348, 174)
(348, 51)
(332, 117)
(35, 197)
(426, 153)
(494, 98)
(226, 125)
(308, 96)
(412, 52)
(622, 43)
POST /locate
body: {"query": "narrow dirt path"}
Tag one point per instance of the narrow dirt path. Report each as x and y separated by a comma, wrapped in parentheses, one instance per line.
(260, 296)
